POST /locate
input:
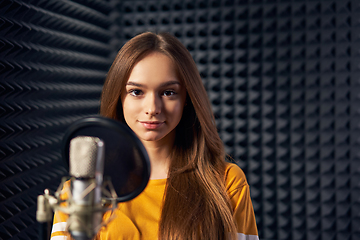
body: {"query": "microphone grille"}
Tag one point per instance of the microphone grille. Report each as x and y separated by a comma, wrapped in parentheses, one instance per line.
(83, 156)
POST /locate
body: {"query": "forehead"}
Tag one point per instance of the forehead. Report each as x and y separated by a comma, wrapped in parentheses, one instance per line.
(154, 65)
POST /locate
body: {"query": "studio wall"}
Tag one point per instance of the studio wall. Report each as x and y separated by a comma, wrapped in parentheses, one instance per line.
(54, 55)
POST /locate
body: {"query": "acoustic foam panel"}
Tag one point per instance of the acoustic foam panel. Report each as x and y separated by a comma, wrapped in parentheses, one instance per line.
(54, 55)
(283, 80)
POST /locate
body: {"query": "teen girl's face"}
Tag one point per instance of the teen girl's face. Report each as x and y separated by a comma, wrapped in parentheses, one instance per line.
(154, 99)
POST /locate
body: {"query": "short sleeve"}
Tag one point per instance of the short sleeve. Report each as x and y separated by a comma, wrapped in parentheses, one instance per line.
(239, 193)
(59, 226)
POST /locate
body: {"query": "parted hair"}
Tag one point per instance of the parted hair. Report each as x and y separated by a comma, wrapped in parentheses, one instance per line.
(195, 204)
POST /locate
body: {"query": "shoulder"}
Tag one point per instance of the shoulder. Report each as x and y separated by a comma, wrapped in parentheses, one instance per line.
(238, 191)
(234, 177)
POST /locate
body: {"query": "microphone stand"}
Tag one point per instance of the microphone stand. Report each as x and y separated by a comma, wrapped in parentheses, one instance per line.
(44, 230)
(47, 203)
(44, 213)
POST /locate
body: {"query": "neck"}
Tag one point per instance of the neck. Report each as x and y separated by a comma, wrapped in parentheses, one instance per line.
(159, 155)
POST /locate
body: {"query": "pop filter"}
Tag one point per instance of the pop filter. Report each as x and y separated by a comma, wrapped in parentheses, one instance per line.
(126, 160)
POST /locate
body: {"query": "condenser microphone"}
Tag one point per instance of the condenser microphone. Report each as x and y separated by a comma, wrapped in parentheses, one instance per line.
(86, 169)
(107, 165)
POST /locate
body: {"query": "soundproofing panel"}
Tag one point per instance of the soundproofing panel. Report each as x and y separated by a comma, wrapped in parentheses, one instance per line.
(54, 55)
(283, 80)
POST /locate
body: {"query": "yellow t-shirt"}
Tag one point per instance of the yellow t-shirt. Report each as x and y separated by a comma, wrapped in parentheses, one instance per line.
(139, 218)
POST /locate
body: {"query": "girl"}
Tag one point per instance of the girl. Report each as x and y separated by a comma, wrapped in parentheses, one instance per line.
(154, 87)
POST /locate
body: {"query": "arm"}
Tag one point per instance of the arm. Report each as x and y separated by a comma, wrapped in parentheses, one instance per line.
(239, 193)
(59, 227)
(58, 231)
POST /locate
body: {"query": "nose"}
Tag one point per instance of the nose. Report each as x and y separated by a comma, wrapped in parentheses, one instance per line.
(153, 105)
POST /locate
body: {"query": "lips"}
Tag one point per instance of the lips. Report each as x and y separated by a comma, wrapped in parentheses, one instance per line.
(151, 124)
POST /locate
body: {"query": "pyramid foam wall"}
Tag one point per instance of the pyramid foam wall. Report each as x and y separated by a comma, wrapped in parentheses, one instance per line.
(283, 80)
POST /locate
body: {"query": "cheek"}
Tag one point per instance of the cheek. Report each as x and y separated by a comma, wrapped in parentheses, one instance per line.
(128, 111)
(176, 110)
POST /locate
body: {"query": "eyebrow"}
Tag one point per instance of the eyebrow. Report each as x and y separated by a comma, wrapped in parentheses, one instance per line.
(130, 83)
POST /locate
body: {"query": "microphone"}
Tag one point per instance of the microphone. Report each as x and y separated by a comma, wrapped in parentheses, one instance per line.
(86, 168)
(99, 178)
(88, 197)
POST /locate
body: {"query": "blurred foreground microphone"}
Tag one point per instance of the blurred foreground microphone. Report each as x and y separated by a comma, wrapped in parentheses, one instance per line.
(86, 171)
(107, 165)
(84, 204)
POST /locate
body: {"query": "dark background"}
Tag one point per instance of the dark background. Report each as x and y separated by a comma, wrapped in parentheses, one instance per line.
(282, 76)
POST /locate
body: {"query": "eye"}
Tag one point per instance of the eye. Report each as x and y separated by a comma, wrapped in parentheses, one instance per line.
(135, 92)
(169, 93)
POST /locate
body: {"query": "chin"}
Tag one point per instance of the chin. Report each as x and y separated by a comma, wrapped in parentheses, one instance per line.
(156, 136)
(151, 138)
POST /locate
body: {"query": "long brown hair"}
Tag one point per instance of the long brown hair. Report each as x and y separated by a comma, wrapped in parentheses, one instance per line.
(196, 205)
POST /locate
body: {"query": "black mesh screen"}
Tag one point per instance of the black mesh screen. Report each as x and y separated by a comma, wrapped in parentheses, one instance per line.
(282, 76)
(54, 55)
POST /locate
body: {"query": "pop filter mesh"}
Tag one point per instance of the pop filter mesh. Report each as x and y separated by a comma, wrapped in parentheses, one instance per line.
(126, 161)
